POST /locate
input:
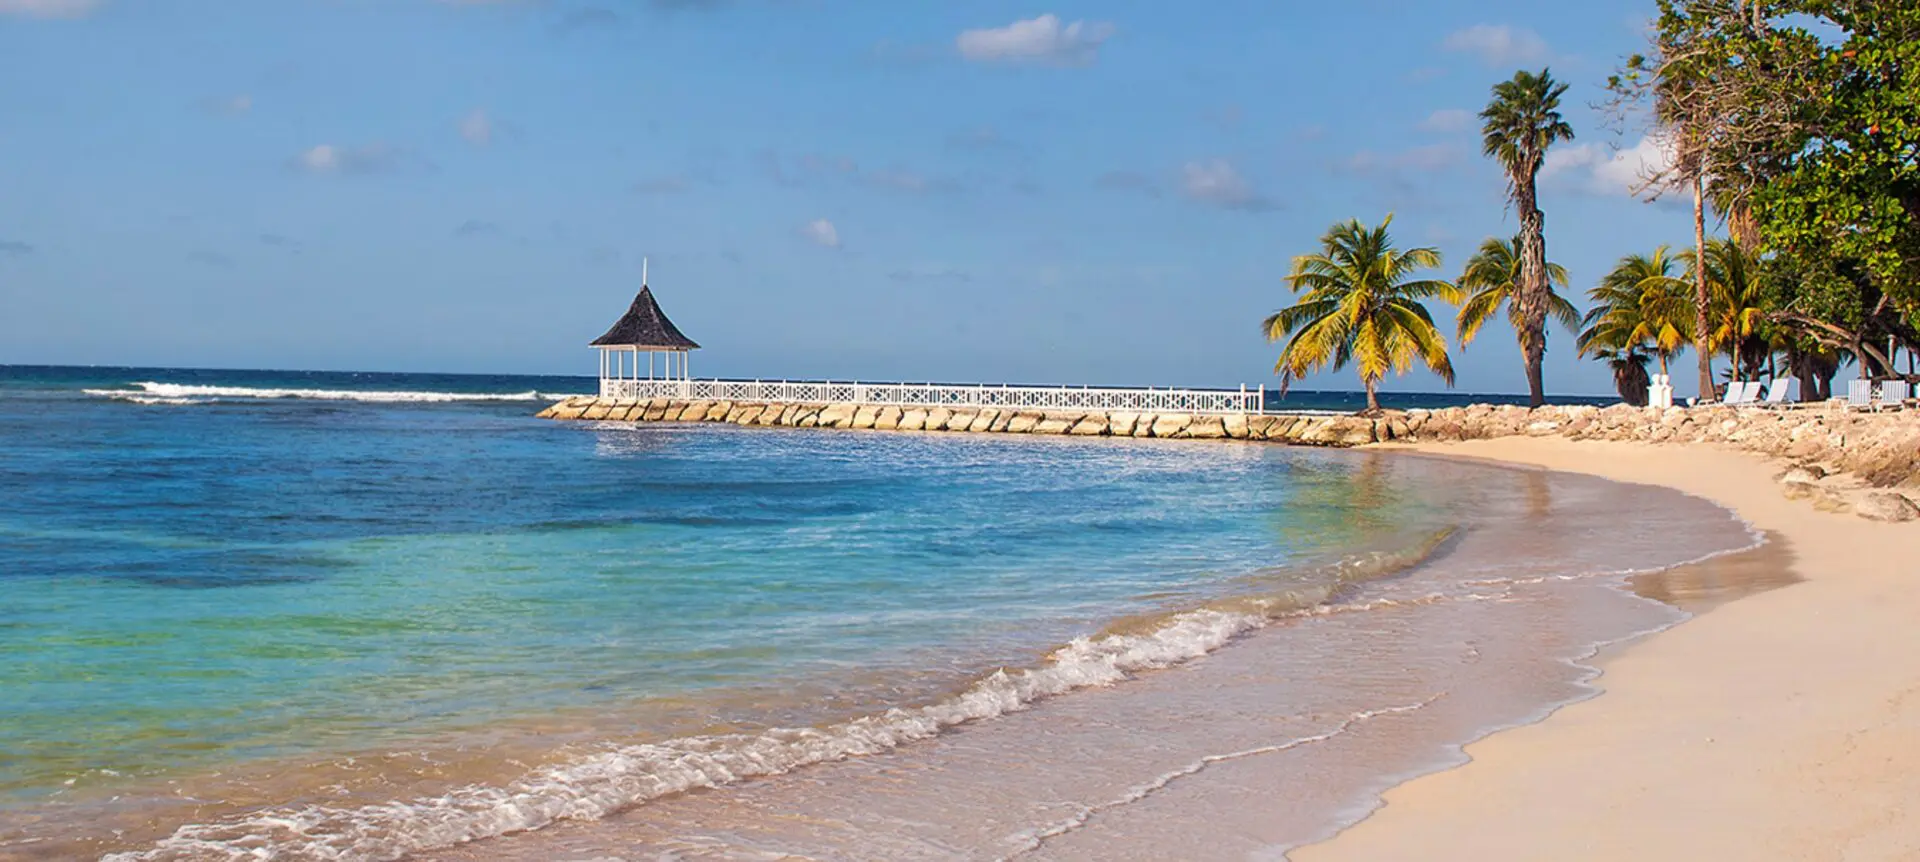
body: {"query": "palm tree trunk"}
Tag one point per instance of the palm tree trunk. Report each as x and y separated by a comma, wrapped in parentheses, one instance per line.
(1700, 298)
(1533, 288)
(1373, 399)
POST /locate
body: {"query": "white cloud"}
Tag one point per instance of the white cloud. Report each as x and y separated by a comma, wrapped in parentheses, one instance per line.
(1218, 182)
(821, 232)
(1037, 40)
(477, 127)
(332, 159)
(48, 8)
(1498, 45)
(1602, 170)
(1447, 120)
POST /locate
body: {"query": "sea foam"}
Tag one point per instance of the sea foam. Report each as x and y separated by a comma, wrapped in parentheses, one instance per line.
(150, 392)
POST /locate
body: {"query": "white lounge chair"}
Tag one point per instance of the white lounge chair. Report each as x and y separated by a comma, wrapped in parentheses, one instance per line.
(1860, 394)
(1739, 393)
(1892, 393)
(1777, 392)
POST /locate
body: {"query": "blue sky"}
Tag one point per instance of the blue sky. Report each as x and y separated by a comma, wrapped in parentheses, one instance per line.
(1067, 192)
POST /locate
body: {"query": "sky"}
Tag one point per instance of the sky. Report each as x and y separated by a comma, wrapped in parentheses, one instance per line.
(1097, 193)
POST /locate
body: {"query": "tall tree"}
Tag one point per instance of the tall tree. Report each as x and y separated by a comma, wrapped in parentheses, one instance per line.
(1360, 304)
(1492, 280)
(1519, 125)
(1736, 312)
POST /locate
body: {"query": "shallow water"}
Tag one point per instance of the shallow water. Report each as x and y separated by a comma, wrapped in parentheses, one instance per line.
(349, 619)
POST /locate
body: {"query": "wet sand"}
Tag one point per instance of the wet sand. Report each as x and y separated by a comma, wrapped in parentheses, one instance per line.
(1782, 726)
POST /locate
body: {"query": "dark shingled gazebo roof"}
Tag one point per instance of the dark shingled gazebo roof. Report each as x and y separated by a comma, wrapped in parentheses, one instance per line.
(645, 326)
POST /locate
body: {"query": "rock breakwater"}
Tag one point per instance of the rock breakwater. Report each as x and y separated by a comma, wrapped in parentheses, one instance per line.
(1841, 460)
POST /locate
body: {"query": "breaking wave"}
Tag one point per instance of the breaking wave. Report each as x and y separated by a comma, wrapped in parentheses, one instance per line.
(620, 776)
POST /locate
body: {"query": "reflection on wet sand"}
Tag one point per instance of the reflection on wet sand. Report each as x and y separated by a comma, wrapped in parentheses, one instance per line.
(1703, 586)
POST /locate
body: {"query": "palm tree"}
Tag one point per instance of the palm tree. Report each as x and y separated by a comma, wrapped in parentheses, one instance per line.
(1736, 308)
(1639, 306)
(1521, 123)
(1492, 279)
(1361, 306)
(1629, 373)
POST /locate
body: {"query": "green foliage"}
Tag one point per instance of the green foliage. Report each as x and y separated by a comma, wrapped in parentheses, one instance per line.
(1360, 304)
(1639, 307)
(1492, 281)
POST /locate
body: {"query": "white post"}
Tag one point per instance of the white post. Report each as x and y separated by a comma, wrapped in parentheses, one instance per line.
(643, 271)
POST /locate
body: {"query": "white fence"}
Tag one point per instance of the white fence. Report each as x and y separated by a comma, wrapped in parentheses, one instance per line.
(1147, 400)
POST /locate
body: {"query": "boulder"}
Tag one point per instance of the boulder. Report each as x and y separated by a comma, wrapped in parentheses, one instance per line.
(696, 411)
(1169, 424)
(866, 416)
(1001, 419)
(962, 420)
(836, 416)
(1235, 425)
(808, 417)
(747, 414)
(1143, 426)
(937, 419)
(1121, 424)
(1885, 506)
(984, 421)
(1056, 423)
(597, 411)
(1206, 428)
(1794, 489)
(889, 418)
(655, 411)
(1802, 473)
(1024, 421)
(719, 411)
(913, 419)
(1259, 426)
(1095, 425)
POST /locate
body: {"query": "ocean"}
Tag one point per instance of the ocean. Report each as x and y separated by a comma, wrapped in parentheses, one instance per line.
(323, 615)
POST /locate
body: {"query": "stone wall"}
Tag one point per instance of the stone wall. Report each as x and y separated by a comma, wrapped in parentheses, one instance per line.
(1868, 463)
(1338, 431)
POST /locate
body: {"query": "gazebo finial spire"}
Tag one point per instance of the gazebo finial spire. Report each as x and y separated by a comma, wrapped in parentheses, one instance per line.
(643, 271)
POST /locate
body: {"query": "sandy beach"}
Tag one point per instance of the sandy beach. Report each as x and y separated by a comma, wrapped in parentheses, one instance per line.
(1784, 725)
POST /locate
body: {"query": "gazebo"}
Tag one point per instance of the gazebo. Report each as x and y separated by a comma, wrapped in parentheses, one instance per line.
(643, 329)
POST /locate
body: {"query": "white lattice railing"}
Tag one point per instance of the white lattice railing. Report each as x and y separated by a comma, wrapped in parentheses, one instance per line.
(1148, 400)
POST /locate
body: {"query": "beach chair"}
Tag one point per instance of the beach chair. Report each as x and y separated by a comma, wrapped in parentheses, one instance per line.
(1739, 393)
(1893, 394)
(1860, 394)
(1777, 392)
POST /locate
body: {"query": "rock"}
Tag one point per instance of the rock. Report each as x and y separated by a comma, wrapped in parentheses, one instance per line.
(1024, 422)
(1885, 506)
(1828, 500)
(889, 419)
(836, 416)
(1143, 427)
(719, 411)
(1001, 420)
(746, 414)
(598, 411)
(1802, 473)
(1056, 423)
(1798, 490)
(1259, 426)
(808, 417)
(1355, 432)
(937, 419)
(696, 411)
(984, 421)
(865, 416)
(1095, 425)
(962, 420)
(1206, 428)
(1121, 424)
(1169, 424)
(655, 411)
(913, 419)
(1236, 426)
(566, 410)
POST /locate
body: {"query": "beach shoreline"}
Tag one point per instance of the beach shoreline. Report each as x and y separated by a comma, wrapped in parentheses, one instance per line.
(1782, 726)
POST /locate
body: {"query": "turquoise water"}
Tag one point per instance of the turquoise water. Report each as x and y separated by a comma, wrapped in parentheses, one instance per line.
(271, 569)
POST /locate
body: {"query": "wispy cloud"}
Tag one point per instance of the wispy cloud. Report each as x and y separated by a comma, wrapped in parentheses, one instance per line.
(210, 258)
(1044, 40)
(980, 139)
(821, 232)
(48, 8)
(1430, 157)
(476, 227)
(280, 241)
(1447, 120)
(336, 159)
(667, 185)
(1498, 44)
(1217, 182)
(231, 106)
(477, 127)
(929, 273)
(15, 247)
